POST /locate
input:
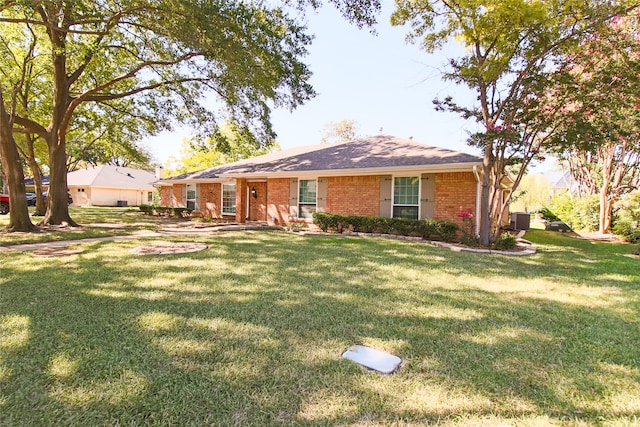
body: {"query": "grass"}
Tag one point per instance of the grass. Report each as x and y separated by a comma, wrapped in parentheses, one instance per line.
(250, 332)
(95, 222)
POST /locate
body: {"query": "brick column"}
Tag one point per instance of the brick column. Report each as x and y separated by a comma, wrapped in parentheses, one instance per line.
(241, 200)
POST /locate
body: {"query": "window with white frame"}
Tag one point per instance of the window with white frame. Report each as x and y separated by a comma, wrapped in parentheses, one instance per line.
(191, 196)
(307, 197)
(228, 199)
(406, 197)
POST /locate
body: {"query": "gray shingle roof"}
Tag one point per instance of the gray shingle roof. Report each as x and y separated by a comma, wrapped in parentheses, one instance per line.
(112, 177)
(375, 152)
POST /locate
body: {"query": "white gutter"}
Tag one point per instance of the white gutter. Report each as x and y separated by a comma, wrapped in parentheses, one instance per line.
(444, 168)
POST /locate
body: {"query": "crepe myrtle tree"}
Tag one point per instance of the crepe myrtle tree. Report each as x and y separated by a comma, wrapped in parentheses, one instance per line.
(508, 46)
(600, 141)
(167, 56)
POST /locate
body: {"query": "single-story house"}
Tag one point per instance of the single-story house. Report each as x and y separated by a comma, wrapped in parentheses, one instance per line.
(376, 176)
(107, 185)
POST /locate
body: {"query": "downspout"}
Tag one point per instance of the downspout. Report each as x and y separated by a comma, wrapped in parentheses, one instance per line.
(478, 196)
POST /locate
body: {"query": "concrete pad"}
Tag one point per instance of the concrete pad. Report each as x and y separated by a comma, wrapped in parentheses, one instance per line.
(373, 359)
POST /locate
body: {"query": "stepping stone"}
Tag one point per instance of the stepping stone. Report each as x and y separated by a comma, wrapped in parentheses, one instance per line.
(56, 251)
(168, 248)
(371, 358)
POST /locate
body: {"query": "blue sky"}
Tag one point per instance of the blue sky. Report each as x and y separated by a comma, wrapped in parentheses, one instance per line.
(379, 81)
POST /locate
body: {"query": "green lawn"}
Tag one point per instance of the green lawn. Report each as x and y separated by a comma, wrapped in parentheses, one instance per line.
(251, 330)
(95, 222)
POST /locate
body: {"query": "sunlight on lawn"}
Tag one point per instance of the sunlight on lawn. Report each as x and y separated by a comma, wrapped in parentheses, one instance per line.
(14, 331)
(251, 331)
(120, 388)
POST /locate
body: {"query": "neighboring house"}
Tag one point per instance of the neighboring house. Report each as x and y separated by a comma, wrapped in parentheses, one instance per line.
(107, 185)
(378, 176)
(565, 183)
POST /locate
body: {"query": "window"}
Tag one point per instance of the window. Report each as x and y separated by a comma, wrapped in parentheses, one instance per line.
(150, 197)
(406, 197)
(307, 198)
(228, 199)
(191, 197)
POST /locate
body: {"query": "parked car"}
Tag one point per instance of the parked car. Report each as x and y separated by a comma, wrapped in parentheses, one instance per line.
(31, 199)
(69, 198)
(4, 204)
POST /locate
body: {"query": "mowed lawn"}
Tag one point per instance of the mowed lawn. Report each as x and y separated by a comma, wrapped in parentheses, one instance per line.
(251, 332)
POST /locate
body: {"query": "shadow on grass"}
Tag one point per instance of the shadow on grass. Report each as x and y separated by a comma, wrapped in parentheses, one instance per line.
(251, 330)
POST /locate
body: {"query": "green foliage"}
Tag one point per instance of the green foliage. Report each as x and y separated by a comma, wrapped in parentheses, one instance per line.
(225, 146)
(628, 222)
(548, 215)
(533, 193)
(152, 63)
(581, 213)
(509, 46)
(165, 211)
(629, 206)
(628, 230)
(505, 241)
(425, 228)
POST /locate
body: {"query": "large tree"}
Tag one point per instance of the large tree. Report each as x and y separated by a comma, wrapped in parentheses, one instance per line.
(12, 166)
(600, 143)
(509, 44)
(166, 55)
(342, 131)
(226, 146)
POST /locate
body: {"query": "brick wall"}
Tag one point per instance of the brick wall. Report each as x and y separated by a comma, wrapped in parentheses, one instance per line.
(165, 196)
(258, 205)
(278, 200)
(454, 191)
(353, 195)
(176, 197)
(210, 203)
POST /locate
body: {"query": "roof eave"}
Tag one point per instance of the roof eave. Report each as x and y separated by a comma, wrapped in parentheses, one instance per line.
(442, 168)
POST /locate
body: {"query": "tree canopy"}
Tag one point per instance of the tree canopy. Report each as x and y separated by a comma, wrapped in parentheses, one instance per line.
(599, 137)
(165, 57)
(342, 131)
(510, 44)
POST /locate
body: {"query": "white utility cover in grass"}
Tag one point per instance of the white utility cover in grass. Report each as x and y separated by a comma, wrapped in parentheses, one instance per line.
(373, 359)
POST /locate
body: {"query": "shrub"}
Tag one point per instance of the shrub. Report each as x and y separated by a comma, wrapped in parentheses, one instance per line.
(505, 241)
(146, 209)
(548, 215)
(628, 212)
(425, 228)
(164, 211)
(628, 230)
(581, 213)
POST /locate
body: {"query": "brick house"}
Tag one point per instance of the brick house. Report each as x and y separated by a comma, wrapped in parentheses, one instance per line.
(377, 176)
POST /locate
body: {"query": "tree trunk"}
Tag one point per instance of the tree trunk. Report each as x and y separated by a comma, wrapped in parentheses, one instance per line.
(485, 214)
(57, 207)
(606, 213)
(18, 211)
(37, 179)
(606, 156)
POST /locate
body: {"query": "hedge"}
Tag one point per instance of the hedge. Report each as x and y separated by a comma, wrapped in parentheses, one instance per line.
(426, 228)
(165, 211)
